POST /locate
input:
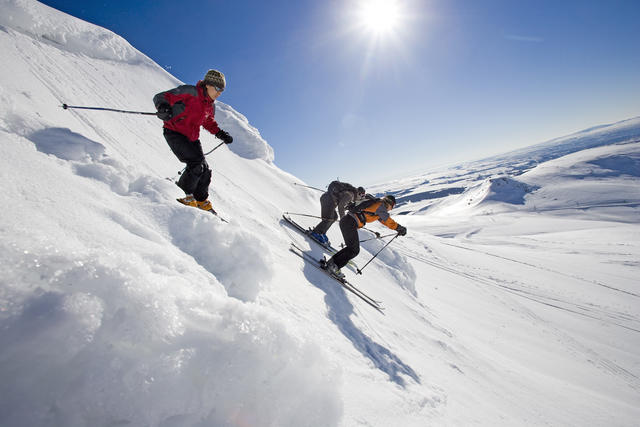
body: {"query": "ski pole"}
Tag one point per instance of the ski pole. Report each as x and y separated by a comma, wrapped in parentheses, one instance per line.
(307, 186)
(214, 149)
(206, 154)
(375, 232)
(379, 237)
(360, 269)
(312, 216)
(66, 107)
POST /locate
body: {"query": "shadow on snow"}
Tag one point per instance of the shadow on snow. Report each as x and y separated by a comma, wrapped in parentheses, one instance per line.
(340, 311)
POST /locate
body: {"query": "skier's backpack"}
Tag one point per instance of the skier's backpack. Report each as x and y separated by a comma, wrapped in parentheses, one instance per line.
(369, 201)
(359, 210)
(336, 187)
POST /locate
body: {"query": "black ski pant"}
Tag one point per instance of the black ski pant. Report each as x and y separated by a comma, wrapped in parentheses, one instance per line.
(349, 228)
(197, 176)
(327, 212)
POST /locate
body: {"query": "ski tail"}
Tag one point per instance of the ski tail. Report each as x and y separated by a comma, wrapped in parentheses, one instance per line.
(352, 265)
(345, 284)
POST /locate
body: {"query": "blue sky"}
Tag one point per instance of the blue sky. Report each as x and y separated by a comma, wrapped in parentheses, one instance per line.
(452, 80)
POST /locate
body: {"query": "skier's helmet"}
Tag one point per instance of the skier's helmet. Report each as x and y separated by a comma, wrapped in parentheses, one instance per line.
(389, 200)
(216, 79)
(361, 192)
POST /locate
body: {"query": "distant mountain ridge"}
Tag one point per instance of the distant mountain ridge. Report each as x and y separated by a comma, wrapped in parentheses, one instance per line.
(424, 190)
(614, 133)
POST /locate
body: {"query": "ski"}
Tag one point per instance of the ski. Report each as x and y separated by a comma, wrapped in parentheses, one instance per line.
(345, 284)
(218, 215)
(307, 233)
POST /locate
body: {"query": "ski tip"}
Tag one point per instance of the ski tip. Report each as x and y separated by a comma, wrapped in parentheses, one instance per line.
(218, 216)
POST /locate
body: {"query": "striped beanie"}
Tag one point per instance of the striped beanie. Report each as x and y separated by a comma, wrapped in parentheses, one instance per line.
(215, 78)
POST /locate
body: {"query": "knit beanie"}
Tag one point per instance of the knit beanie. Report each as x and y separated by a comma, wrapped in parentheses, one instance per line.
(390, 200)
(215, 78)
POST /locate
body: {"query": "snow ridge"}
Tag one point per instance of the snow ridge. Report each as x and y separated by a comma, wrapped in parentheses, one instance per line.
(67, 33)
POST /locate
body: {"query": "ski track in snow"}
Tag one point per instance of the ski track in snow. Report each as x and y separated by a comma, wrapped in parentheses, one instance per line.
(532, 293)
(527, 290)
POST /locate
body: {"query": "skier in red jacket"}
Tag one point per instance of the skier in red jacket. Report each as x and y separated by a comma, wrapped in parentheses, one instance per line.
(183, 110)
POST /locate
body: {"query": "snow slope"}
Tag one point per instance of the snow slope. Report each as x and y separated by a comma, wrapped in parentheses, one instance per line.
(119, 306)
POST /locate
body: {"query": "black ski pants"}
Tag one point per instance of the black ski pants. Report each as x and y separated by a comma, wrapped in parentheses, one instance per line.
(328, 212)
(197, 176)
(349, 228)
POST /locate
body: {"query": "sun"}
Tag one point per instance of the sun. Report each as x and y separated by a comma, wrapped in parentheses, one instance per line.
(379, 16)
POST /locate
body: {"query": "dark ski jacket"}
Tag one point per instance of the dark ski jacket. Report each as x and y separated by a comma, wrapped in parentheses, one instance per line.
(342, 194)
(191, 108)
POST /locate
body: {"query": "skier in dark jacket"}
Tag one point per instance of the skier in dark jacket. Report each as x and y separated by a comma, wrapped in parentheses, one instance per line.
(367, 211)
(338, 194)
(183, 110)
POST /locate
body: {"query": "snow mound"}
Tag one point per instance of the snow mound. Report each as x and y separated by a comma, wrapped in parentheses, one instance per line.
(617, 165)
(504, 189)
(498, 192)
(401, 271)
(49, 25)
(238, 259)
(76, 325)
(66, 145)
(88, 158)
(247, 141)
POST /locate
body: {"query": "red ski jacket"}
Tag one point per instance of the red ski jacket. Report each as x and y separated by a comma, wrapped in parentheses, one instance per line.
(191, 108)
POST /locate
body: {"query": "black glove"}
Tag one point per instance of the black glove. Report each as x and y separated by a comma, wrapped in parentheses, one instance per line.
(164, 112)
(224, 136)
(402, 231)
(350, 206)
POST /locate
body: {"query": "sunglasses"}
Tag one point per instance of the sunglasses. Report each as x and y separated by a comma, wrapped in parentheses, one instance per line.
(219, 89)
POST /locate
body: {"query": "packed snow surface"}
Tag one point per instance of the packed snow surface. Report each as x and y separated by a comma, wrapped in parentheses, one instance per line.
(513, 300)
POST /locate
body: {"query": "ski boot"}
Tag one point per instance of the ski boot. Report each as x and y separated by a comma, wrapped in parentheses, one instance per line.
(316, 236)
(205, 205)
(332, 268)
(188, 200)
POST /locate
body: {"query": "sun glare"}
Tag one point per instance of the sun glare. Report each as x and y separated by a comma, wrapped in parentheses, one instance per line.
(379, 16)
